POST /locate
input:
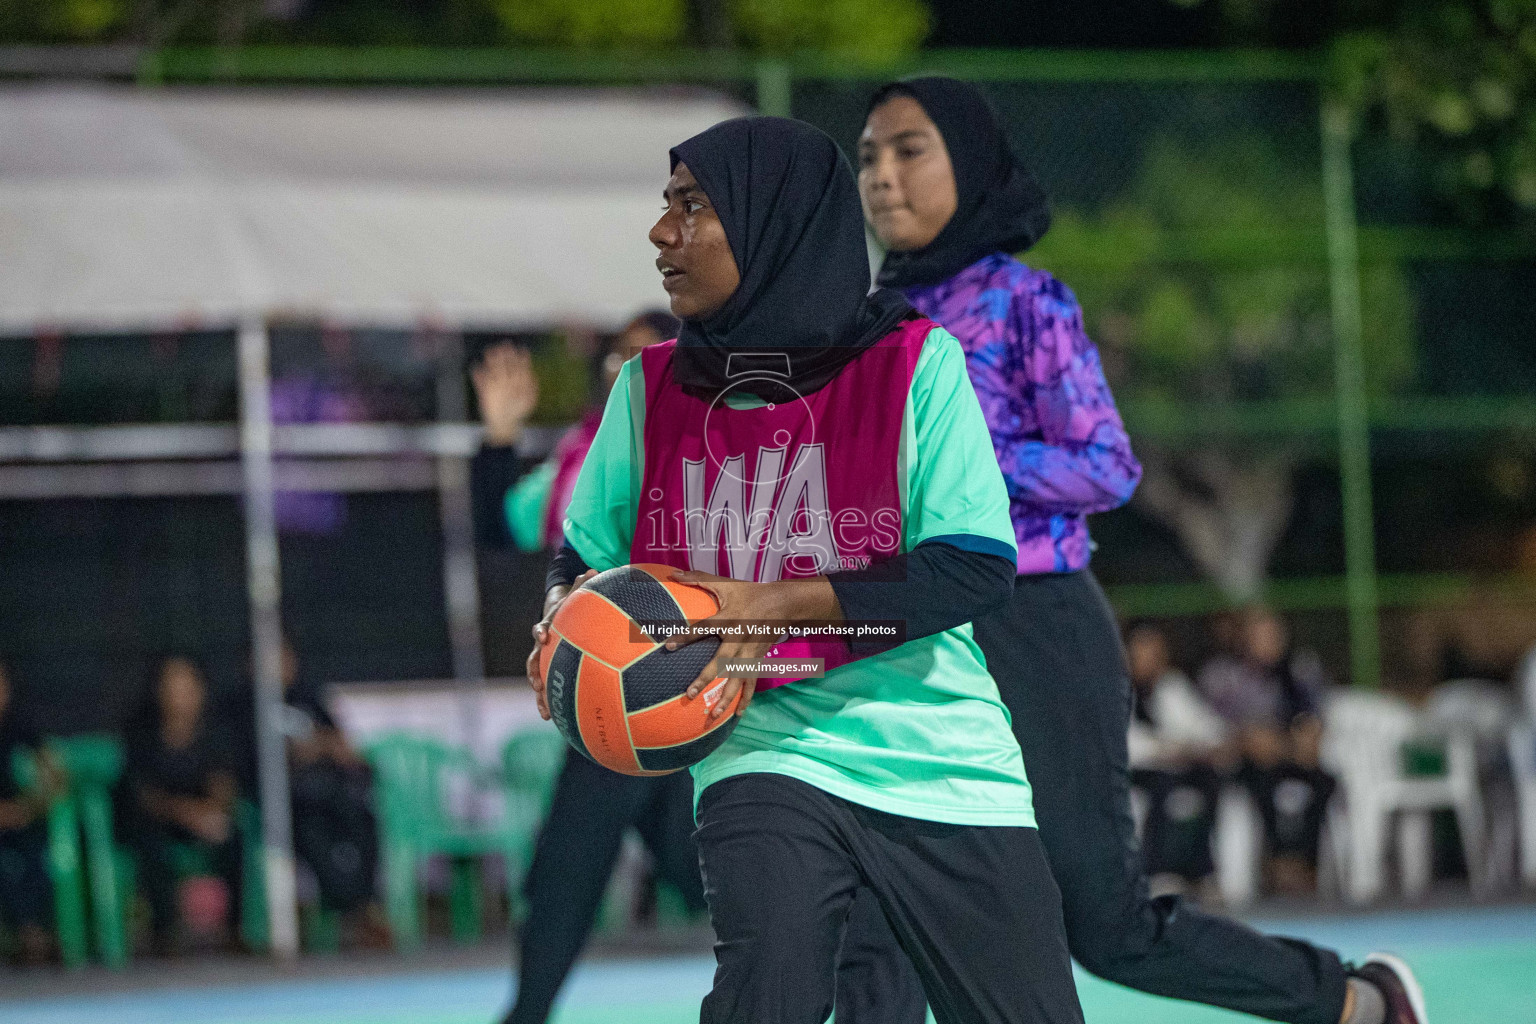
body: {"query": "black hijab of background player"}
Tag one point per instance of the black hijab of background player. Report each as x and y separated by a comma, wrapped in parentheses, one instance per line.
(790, 208)
(1000, 204)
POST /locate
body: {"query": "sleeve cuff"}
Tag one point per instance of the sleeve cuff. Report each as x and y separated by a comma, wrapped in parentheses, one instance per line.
(976, 544)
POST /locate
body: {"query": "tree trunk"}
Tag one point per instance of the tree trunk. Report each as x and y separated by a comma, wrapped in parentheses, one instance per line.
(1228, 510)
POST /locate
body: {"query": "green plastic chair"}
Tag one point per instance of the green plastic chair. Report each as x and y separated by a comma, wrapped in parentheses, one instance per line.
(92, 764)
(531, 761)
(63, 860)
(320, 929)
(671, 908)
(530, 768)
(412, 775)
(530, 765)
(255, 928)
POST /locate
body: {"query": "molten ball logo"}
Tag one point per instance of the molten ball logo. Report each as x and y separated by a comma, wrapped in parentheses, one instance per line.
(556, 692)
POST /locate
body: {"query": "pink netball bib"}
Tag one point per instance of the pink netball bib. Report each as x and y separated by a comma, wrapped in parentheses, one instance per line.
(570, 452)
(782, 491)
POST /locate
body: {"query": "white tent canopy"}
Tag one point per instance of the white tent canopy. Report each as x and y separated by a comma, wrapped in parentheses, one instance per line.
(123, 209)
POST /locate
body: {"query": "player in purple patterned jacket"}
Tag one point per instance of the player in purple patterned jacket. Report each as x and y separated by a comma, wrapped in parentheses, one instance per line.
(950, 201)
(1059, 440)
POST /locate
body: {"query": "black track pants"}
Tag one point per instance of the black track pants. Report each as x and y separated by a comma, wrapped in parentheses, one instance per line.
(1055, 652)
(972, 907)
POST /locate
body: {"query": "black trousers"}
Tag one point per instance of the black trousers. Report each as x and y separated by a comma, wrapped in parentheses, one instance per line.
(574, 858)
(26, 891)
(155, 843)
(1292, 799)
(1181, 815)
(334, 832)
(972, 907)
(1055, 653)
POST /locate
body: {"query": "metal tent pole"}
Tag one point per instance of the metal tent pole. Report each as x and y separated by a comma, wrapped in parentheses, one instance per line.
(461, 585)
(263, 583)
(1349, 388)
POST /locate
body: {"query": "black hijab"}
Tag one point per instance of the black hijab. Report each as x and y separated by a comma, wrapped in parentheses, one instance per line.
(790, 208)
(1001, 206)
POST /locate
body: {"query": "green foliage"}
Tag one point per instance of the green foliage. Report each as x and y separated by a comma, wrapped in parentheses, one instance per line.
(88, 19)
(869, 29)
(1207, 281)
(593, 24)
(63, 21)
(1458, 80)
(565, 382)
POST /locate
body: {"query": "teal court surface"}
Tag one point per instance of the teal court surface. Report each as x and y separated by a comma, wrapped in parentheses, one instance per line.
(1478, 966)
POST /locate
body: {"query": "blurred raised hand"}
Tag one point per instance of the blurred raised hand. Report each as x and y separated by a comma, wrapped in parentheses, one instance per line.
(507, 390)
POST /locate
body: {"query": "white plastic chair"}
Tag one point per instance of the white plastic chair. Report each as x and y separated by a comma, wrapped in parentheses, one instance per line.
(1478, 706)
(1521, 741)
(1522, 758)
(1525, 684)
(1363, 743)
(1238, 847)
(1484, 709)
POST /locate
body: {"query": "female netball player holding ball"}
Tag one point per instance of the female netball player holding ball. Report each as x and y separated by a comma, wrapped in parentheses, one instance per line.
(799, 426)
(951, 203)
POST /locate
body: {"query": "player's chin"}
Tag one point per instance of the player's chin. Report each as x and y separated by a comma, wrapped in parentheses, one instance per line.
(685, 301)
(681, 308)
(895, 231)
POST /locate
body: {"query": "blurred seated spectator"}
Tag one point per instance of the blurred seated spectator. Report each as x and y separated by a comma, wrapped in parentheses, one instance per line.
(1271, 696)
(334, 831)
(1177, 754)
(25, 889)
(180, 791)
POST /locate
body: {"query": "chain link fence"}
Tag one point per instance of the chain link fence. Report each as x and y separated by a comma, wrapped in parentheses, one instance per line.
(1193, 222)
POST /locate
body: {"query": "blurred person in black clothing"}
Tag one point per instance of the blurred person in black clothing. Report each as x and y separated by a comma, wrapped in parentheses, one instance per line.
(180, 787)
(518, 502)
(1271, 696)
(334, 830)
(25, 888)
(1178, 754)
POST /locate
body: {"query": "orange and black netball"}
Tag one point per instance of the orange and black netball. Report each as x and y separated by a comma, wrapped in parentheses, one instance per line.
(615, 692)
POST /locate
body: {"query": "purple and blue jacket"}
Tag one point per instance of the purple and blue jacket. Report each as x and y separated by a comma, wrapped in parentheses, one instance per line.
(1059, 440)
